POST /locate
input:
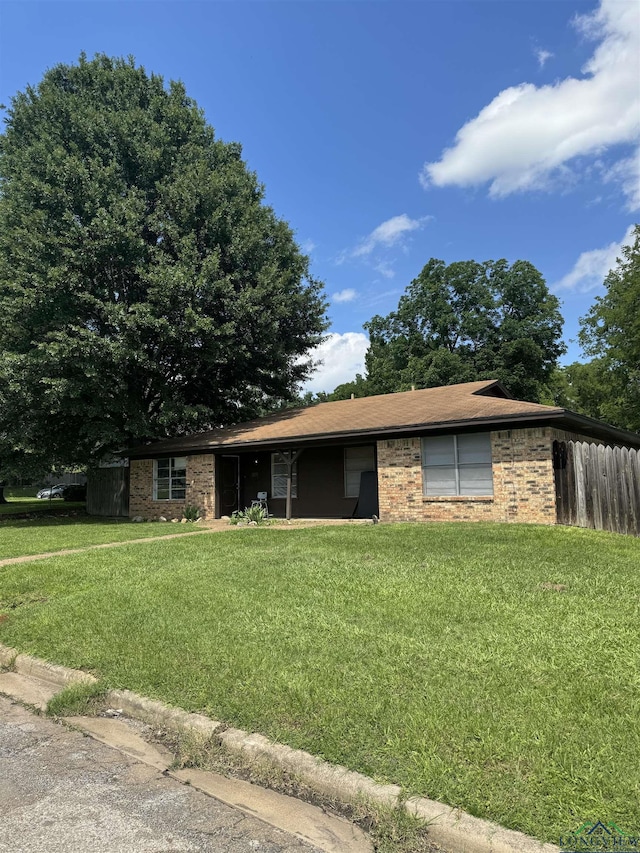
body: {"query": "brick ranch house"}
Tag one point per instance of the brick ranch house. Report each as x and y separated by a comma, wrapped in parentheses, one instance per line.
(461, 452)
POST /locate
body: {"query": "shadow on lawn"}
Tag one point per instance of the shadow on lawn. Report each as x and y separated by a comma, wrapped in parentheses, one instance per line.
(57, 518)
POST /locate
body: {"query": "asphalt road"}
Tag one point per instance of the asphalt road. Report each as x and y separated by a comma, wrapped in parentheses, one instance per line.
(62, 792)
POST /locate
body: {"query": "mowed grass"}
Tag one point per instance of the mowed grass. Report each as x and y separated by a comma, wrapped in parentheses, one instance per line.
(21, 493)
(22, 500)
(495, 668)
(24, 537)
(21, 506)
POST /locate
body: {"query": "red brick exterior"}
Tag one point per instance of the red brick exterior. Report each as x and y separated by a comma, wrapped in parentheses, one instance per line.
(523, 482)
(200, 489)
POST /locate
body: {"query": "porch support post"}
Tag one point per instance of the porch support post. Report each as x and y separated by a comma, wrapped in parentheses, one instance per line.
(289, 457)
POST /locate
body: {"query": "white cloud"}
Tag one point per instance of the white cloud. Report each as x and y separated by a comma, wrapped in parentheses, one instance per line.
(626, 173)
(388, 234)
(308, 246)
(347, 295)
(543, 56)
(384, 269)
(591, 268)
(527, 135)
(384, 297)
(342, 356)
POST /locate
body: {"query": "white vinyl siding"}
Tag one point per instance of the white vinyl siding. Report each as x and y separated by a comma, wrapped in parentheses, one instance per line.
(457, 465)
(356, 460)
(170, 479)
(279, 477)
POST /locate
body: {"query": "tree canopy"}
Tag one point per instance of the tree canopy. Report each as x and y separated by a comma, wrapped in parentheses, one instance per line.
(146, 289)
(582, 387)
(611, 331)
(468, 321)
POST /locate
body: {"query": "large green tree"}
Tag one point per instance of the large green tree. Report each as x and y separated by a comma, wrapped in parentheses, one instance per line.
(611, 331)
(581, 387)
(146, 289)
(468, 321)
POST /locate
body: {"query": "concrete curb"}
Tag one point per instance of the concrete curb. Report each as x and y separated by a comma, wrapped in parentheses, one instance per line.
(61, 676)
(160, 715)
(451, 828)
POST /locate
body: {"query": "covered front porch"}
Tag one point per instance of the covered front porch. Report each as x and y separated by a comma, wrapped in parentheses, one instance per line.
(334, 481)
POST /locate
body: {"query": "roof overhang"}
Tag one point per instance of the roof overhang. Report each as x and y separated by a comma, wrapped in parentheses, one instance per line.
(561, 419)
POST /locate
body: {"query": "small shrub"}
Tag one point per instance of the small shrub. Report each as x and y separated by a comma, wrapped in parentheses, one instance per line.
(255, 514)
(191, 513)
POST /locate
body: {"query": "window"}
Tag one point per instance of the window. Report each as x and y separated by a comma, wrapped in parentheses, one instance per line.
(279, 470)
(457, 465)
(170, 479)
(356, 460)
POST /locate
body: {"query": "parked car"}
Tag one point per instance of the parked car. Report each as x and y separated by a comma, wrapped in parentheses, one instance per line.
(74, 492)
(52, 491)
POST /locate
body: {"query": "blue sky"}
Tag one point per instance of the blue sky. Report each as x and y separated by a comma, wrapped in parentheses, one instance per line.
(387, 133)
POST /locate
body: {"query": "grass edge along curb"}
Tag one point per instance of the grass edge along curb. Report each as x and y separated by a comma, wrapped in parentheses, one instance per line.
(42, 670)
(453, 829)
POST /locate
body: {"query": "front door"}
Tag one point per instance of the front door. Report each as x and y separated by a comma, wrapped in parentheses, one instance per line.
(229, 485)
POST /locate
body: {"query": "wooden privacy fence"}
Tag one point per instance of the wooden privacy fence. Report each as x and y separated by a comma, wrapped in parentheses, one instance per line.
(597, 486)
(108, 491)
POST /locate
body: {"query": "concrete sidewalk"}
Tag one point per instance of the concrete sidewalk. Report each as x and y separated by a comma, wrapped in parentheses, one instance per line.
(63, 792)
(211, 526)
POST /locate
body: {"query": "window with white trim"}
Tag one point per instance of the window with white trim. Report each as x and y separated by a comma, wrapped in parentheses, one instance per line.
(356, 460)
(457, 465)
(279, 470)
(170, 479)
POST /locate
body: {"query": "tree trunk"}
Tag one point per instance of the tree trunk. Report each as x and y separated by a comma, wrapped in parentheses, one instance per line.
(3, 500)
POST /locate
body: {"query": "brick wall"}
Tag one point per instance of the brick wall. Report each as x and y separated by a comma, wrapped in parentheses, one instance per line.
(200, 489)
(563, 435)
(523, 484)
(200, 483)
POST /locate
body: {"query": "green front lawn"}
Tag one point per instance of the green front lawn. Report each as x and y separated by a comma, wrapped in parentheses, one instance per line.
(20, 492)
(32, 506)
(22, 537)
(22, 500)
(496, 668)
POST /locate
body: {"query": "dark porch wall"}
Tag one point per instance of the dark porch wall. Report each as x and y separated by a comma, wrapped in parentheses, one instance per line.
(320, 484)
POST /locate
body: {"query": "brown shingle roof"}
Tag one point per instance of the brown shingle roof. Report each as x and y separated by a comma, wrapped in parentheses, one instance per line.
(452, 405)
